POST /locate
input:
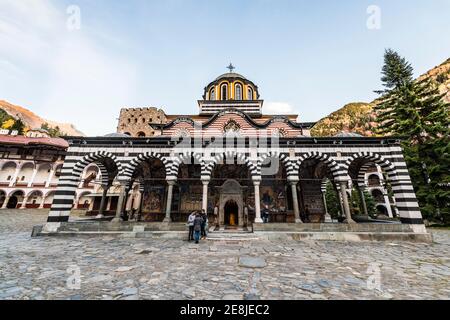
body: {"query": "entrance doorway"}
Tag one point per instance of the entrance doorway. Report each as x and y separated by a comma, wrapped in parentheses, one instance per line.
(12, 203)
(231, 213)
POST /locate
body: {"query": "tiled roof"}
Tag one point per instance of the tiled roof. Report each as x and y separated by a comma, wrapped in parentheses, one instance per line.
(28, 141)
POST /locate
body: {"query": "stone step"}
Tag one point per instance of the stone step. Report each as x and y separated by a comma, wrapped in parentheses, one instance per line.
(228, 235)
(228, 239)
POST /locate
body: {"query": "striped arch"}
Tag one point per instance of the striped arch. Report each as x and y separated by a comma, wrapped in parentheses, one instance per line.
(208, 166)
(332, 165)
(65, 194)
(129, 170)
(186, 159)
(385, 164)
(284, 158)
(97, 158)
(361, 179)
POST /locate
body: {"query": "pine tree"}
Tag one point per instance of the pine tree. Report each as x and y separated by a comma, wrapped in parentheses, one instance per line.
(416, 111)
(333, 201)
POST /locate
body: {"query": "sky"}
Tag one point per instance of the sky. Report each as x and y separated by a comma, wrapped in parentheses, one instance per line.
(82, 61)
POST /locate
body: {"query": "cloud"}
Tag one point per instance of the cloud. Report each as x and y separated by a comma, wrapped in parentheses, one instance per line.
(278, 108)
(77, 78)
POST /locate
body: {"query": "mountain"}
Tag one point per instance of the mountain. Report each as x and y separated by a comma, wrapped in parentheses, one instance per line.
(359, 117)
(32, 121)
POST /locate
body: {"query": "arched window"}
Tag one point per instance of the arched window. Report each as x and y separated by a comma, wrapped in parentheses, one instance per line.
(212, 94)
(141, 134)
(224, 92)
(238, 92)
(250, 94)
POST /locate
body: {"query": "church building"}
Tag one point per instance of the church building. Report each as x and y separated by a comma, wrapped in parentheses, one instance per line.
(233, 161)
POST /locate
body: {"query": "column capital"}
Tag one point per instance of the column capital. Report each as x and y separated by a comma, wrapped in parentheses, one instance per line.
(171, 182)
(205, 179)
(292, 179)
(256, 179)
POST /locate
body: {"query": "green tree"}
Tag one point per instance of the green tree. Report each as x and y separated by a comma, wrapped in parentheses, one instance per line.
(358, 206)
(417, 111)
(333, 201)
(52, 131)
(19, 126)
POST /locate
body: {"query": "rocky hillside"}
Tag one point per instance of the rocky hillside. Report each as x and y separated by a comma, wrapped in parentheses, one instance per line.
(33, 121)
(359, 117)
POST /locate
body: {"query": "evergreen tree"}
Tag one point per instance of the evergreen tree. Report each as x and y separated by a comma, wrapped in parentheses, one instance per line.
(358, 206)
(19, 126)
(416, 111)
(332, 198)
(396, 70)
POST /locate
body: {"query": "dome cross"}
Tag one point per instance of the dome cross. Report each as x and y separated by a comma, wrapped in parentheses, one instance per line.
(231, 67)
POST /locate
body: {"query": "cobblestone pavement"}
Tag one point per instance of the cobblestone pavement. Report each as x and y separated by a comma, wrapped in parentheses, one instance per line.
(111, 268)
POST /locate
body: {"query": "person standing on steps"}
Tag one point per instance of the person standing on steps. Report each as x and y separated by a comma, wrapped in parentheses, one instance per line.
(190, 223)
(198, 221)
(205, 221)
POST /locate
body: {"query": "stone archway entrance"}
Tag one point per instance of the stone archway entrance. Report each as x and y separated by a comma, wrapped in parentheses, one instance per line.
(231, 204)
(12, 203)
(231, 210)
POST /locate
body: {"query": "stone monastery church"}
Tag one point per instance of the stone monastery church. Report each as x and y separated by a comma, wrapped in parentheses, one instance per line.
(232, 161)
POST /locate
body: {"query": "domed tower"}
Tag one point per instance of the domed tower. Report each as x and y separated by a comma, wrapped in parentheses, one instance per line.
(231, 90)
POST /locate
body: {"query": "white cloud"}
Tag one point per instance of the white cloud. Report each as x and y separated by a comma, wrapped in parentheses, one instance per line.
(81, 82)
(278, 108)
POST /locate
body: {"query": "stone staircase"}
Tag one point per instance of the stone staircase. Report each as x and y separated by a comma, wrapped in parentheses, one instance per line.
(233, 235)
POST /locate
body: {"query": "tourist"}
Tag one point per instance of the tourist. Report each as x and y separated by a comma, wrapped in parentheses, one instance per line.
(198, 221)
(307, 215)
(190, 223)
(265, 214)
(205, 220)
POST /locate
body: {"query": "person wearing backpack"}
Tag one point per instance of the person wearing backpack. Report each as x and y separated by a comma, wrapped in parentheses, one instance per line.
(198, 221)
(190, 223)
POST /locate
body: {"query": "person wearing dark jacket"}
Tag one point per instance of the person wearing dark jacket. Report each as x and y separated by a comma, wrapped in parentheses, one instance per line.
(198, 221)
(204, 217)
(190, 223)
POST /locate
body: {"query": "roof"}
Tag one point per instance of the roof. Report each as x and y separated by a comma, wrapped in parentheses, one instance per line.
(117, 135)
(28, 141)
(344, 134)
(231, 75)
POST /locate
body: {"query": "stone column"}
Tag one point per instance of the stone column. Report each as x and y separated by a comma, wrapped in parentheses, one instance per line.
(295, 201)
(120, 203)
(258, 219)
(170, 183)
(5, 204)
(41, 206)
(24, 203)
(205, 195)
(33, 176)
(327, 215)
(101, 210)
(14, 177)
(76, 202)
(363, 201)
(387, 204)
(343, 187)
(49, 178)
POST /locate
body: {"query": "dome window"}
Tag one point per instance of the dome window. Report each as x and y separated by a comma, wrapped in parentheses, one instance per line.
(212, 94)
(250, 94)
(238, 93)
(224, 92)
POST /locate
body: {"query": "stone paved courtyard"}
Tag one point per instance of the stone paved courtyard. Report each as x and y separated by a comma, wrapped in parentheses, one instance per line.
(112, 268)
